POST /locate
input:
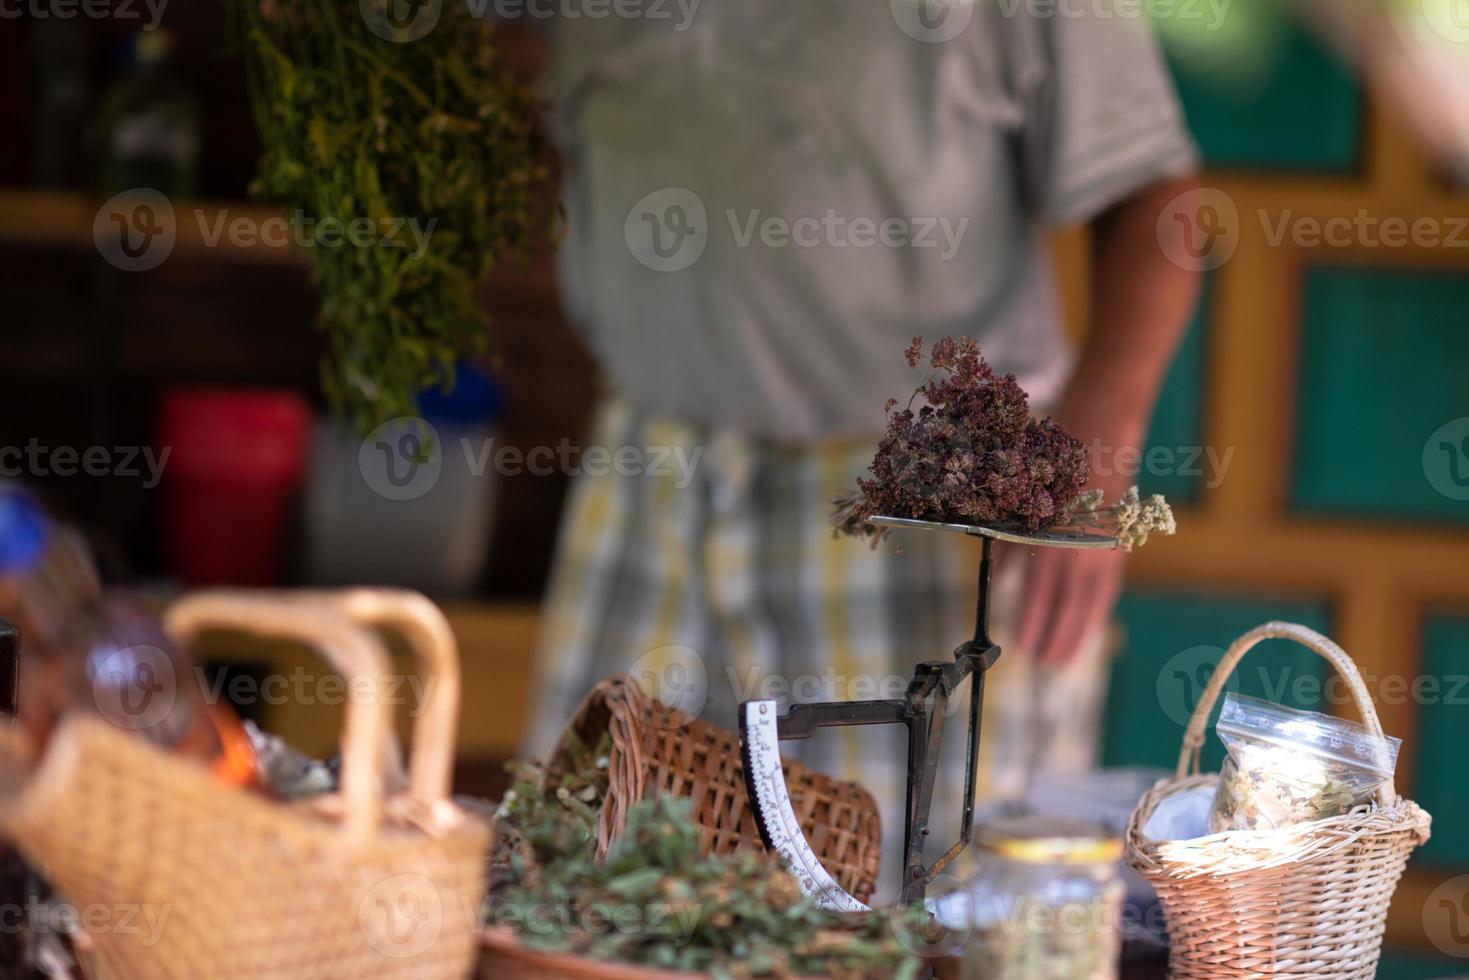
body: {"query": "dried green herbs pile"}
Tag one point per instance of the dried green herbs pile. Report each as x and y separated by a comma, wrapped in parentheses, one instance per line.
(657, 902)
(407, 165)
(973, 454)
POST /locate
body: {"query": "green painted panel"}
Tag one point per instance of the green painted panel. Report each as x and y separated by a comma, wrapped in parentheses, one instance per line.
(1171, 642)
(1176, 463)
(1384, 371)
(1303, 113)
(1412, 965)
(1443, 731)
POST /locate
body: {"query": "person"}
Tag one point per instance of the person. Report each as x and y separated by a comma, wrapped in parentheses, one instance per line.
(766, 202)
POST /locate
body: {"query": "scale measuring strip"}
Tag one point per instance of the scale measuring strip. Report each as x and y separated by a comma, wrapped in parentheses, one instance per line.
(775, 817)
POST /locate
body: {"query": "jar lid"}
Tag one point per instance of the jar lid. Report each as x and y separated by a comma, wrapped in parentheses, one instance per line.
(1050, 840)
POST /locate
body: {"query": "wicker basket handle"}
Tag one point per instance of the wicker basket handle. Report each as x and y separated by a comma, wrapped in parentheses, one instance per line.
(1193, 739)
(423, 625)
(355, 651)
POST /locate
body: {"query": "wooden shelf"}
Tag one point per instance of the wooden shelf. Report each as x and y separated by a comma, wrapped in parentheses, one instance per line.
(63, 219)
(48, 219)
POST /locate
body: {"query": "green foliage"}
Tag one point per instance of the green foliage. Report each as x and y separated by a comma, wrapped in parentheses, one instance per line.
(431, 142)
(656, 901)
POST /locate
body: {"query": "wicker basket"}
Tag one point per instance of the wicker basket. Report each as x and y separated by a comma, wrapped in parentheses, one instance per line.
(348, 886)
(1304, 901)
(658, 749)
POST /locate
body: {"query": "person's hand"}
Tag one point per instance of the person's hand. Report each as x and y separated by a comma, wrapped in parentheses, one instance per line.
(1069, 595)
(1066, 597)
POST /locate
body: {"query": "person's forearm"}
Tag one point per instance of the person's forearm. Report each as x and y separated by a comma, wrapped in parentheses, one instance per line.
(1141, 303)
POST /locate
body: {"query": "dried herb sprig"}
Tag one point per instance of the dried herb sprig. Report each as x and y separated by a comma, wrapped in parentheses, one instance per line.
(972, 453)
(428, 143)
(1131, 519)
(657, 902)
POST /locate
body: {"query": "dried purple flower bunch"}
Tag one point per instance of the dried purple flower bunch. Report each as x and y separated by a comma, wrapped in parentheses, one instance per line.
(971, 454)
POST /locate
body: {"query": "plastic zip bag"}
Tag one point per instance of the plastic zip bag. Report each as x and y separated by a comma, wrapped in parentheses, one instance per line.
(1286, 767)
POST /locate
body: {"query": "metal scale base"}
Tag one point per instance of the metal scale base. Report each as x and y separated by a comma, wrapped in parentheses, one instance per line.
(921, 711)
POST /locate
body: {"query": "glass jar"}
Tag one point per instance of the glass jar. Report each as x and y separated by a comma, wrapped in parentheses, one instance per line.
(1045, 902)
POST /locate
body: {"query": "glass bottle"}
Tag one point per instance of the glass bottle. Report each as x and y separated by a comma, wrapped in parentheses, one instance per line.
(148, 122)
(1045, 902)
(98, 650)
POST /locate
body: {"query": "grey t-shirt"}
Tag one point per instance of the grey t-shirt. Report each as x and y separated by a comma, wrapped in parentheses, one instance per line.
(767, 199)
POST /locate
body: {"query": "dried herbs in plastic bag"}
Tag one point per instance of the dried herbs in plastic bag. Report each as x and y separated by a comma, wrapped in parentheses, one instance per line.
(1286, 767)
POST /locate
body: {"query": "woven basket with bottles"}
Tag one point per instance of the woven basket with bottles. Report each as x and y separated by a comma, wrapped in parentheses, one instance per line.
(1305, 900)
(350, 885)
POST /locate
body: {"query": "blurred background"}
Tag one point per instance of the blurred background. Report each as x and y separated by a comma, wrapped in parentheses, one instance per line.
(1313, 434)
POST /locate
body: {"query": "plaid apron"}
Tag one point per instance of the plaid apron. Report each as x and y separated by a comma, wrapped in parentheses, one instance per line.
(703, 563)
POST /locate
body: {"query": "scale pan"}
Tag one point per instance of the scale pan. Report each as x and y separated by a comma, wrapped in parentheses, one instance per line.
(1061, 536)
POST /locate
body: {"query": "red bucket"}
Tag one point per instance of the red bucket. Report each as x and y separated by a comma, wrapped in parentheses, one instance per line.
(236, 459)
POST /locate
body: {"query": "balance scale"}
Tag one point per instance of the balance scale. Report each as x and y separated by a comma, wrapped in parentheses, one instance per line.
(921, 710)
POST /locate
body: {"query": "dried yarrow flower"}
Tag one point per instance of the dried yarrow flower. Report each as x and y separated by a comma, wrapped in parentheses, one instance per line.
(1131, 519)
(970, 454)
